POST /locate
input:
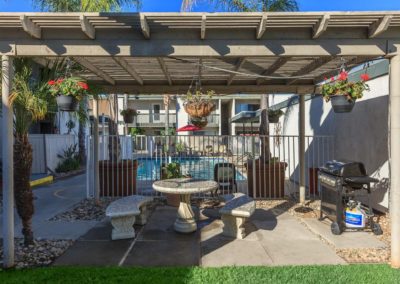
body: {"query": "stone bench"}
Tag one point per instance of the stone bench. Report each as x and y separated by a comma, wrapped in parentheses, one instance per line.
(238, 208)
(126, 212)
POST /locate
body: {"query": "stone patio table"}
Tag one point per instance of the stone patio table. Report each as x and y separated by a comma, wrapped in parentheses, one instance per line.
(185, 221)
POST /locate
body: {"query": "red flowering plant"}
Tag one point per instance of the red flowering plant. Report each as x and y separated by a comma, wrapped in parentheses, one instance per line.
(343, 87)
(73, 86)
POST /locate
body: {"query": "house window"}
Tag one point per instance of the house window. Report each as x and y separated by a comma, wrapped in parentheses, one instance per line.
(246, 107)
(156, 109)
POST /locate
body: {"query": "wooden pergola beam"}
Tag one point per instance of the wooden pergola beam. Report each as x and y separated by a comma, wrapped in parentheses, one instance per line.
(322, 26)
(128, 68)
(144, 26)
(262, 26)
(239, 64)
(329, 74)
(203, 26)
(88, 65)
(87, 27)
(200, 48)
(222, 89)
(272, 69)
(30, 28)
(310, 68)
(164, 69)
(380, 26)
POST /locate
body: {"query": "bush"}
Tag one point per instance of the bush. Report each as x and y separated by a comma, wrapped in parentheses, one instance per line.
(69, 160)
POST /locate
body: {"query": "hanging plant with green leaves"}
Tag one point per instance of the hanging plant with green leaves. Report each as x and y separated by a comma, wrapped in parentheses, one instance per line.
(199, 104)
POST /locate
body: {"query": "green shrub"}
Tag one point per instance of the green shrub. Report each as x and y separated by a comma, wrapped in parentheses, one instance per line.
(69, 160)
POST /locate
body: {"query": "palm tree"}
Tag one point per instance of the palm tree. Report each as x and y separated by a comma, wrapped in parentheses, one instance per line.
(31, 102)
(247, 5)
(85, 5)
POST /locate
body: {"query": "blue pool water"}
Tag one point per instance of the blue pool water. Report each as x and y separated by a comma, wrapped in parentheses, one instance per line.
(197, 167)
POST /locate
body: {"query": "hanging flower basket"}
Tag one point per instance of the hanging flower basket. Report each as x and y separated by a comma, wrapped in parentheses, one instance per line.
(341, 104)
(68, 92)
(274, 115)
(129, 115)
(200, 122)
(343, 93)
(199, 104)
(67, 103)
(202, 109)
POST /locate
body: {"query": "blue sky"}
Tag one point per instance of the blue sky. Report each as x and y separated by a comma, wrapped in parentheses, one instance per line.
(174, 5)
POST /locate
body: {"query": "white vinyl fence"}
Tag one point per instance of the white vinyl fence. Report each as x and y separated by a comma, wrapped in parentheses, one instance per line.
(46, 147)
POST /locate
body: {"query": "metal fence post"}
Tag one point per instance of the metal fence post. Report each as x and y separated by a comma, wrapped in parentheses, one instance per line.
(302, 149)
(96, 148)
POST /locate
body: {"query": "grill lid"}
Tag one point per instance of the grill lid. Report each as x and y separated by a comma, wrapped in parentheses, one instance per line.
(344, 168)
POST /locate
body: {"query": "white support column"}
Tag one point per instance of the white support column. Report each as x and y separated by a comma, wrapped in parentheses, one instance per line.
(96, 148)
(394, 111)
(302, 149)
(8, 162)
(126, 106)
(219, 117)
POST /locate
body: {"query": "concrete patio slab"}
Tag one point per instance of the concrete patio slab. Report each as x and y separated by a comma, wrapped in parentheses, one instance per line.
(272, 239)
(94, 253)
(347, 240)
(164, 253)
(218, 250)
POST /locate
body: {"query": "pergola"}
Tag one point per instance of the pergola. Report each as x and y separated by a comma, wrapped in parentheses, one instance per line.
(139, 53)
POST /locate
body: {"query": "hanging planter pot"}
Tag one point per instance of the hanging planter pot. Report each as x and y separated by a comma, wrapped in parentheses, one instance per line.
(128, 118)
(200, 122)
(341, 104)
(67, 103)
(274, 115)
(273, 119)
(343, 93)
(128, 115)
(202, 109)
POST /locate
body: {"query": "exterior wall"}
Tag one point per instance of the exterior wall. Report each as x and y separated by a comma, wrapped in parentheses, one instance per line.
(361, 135)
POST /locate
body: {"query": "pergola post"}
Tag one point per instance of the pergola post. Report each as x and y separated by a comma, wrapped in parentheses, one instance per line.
(96, 148)
(302, 149)
(394, 110)
(8, 162)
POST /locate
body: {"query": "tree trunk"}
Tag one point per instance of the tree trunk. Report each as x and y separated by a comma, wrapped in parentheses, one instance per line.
(22, 188)
(264, 129)
(113, 139)
(81, 143)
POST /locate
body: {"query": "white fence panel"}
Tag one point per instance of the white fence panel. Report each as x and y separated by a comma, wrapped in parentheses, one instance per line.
(39, 154)
(56, 144)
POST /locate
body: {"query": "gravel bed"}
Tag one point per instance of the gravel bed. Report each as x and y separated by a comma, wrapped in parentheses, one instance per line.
(90, 210)
(311, 210)
(42, 253)
(86, 210)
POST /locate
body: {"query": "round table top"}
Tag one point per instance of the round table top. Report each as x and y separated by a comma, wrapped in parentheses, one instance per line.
(184, 186)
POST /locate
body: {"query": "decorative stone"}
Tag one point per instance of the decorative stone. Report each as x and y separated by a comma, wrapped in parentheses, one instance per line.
(185, 221)
(238, 209)
(123, 214)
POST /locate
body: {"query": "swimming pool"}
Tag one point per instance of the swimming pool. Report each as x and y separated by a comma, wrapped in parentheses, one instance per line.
(197, 167)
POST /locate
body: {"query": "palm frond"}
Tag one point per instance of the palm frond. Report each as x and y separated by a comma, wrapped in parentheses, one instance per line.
(245, 5)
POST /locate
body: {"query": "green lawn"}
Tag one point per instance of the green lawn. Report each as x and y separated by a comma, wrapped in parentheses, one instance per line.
(347, 274)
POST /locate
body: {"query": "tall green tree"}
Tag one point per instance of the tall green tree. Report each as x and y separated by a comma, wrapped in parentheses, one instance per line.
(85, 5)
(246, 5)
(31, 101)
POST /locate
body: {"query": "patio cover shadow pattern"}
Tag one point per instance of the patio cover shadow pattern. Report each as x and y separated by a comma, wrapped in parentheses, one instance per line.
(142, 53)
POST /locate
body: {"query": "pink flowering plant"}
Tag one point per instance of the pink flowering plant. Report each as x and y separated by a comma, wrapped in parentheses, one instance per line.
(343, 87)
(73, 86)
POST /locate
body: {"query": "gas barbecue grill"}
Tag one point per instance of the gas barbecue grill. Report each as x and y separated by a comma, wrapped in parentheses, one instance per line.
(341, 181)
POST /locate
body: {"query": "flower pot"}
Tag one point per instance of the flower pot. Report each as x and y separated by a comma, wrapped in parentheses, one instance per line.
(269, 179)
(118, 178)
(273, 118)
(128, 118)
(341, 104)
(67, 103)
(200, 122)
(199, 109)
